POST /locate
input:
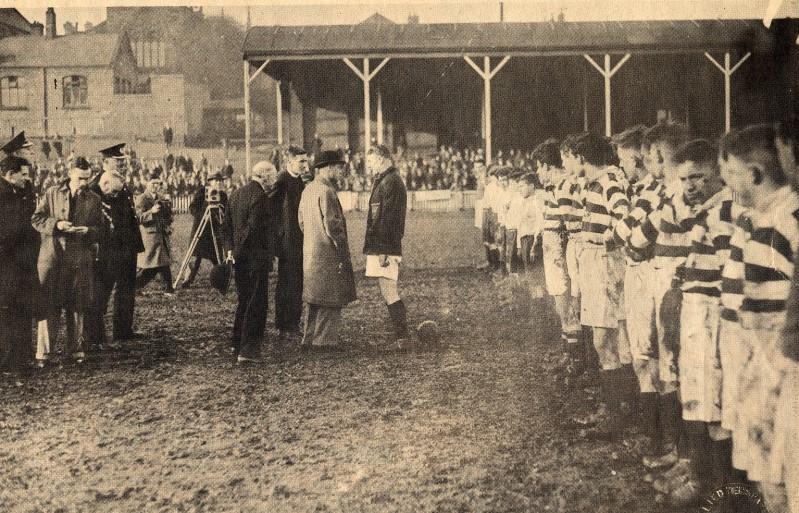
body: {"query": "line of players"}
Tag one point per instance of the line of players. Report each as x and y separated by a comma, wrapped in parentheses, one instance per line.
(670, 260)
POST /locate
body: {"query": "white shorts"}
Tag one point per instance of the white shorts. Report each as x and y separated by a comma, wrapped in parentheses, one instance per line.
(601, 287)
(639, 309)
(699, 364)
(374, 270)
(555, 277)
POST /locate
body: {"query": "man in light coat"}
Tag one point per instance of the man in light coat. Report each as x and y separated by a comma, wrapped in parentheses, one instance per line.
(69, 217)
(328, 279)
(155, 218)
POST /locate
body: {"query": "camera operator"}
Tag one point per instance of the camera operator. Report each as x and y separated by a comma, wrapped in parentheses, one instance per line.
(155, 218)
(210, 194)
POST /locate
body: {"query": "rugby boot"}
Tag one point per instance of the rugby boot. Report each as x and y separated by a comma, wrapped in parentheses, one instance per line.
(685, 494)
(667, 459)
(677, 474)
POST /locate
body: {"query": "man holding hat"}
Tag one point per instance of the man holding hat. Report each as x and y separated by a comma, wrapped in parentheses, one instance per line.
(286, 198)
(328, 279)
(155, 218)
(19, 246)
(70, 219)
(117, 258)
(205, 245)
(249, 221)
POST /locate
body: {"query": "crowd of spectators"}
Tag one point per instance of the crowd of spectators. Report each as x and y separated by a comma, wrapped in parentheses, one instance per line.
(446, 169)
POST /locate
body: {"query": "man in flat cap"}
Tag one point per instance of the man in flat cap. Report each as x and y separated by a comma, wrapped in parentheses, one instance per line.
(19, 247)
(249, 219)
(71, 222)
(328, 279)
(155, 219)
(286, 198)
(117, 257)
(214, 189)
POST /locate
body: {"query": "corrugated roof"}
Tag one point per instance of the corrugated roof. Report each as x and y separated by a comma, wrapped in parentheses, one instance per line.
(543, 37)
(77, 50)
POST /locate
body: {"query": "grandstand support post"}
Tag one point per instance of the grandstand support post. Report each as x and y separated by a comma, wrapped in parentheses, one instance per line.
(366, 77)
(727, 71)
(379, 117)
(247, 115)
(247, 129)
(487, 74)
(607, 72)
(279, 111)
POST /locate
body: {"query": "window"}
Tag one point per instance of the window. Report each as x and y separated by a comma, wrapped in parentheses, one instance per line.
(131, 85)
(150, 54)
(12, 93)
(76, 91)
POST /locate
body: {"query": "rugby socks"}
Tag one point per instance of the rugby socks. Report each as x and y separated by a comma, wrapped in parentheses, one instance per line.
(399, 318)
(648, 406)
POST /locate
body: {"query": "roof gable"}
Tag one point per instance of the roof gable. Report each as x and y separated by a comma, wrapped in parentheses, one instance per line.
(13, 18)
(77, 50)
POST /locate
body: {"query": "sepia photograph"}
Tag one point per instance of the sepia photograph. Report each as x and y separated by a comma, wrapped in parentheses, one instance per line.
(534, 256)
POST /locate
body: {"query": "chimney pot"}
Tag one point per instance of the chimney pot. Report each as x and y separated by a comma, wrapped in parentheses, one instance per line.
(49, 29)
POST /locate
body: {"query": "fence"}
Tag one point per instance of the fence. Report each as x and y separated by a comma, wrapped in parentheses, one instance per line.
(421, 201)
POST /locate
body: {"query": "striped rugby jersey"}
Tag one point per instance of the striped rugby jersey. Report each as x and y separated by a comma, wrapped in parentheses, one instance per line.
(553, 221)
(573, 214)
(710, 243)
(732, 274)
(605, 203)
(769, 257)
(666, 228)
(649, 192)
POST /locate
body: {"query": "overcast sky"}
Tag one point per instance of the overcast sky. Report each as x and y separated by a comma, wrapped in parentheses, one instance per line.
(320, 12)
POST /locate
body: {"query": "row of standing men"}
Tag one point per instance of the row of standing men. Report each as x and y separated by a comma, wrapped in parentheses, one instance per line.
(670, 260)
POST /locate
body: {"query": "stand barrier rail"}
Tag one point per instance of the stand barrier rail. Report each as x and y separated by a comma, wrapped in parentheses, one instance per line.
(421, 201)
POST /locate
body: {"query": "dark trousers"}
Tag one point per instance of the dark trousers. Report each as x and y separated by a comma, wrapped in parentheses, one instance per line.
(194, 269)
(16, 337)
(252, 286)
(145, 276)
(288, 294)
(117, 273)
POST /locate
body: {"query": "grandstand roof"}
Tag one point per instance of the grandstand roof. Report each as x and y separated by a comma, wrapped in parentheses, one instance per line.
(542, 38)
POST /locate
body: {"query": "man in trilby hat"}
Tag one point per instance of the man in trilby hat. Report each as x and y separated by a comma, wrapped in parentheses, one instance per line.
(328, 279)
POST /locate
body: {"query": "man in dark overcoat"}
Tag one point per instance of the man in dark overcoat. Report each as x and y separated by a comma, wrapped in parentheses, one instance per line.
(205, 245)
(70, 220)
(19, 247)
(117, 257)
(385, 227)
(250, 230)
(286, 199)
(328, 279)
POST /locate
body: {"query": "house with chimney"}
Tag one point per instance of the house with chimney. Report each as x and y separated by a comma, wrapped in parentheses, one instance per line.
(85, 85)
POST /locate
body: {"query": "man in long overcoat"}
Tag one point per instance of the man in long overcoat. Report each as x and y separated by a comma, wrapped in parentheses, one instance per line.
(205, 245)
(249, 222)
(155, 218)
(288, 240)
(329, 282)
(19, 247)
(117, 258)
(70, 219)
